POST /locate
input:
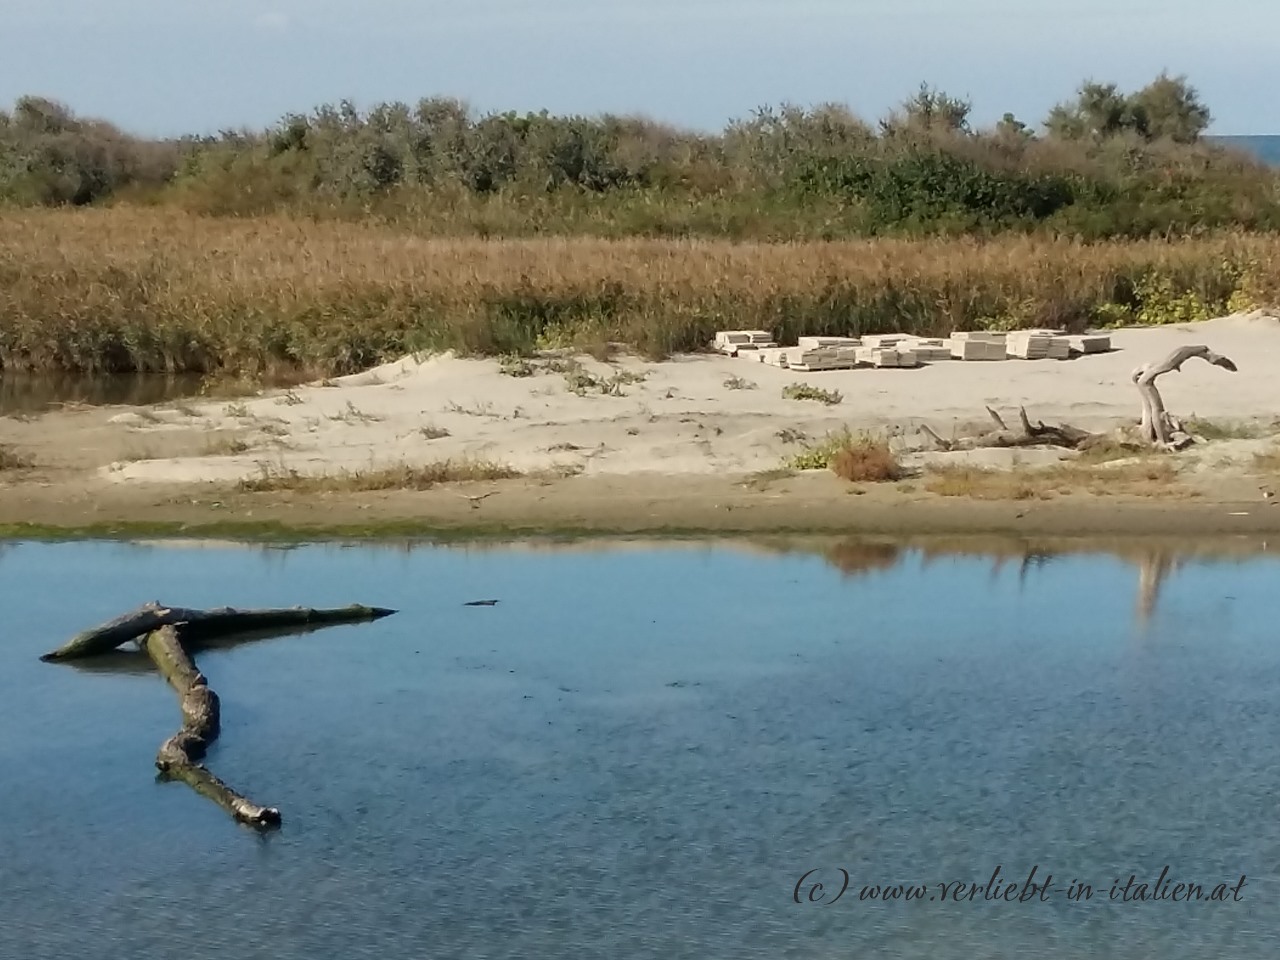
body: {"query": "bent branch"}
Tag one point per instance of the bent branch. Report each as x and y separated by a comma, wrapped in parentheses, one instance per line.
(1028, 435)
(179, 757)
(202, 624)
(166, 635)
(1157, 426)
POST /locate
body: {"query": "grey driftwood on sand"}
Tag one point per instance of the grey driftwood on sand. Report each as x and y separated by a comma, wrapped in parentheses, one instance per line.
(1156, 429)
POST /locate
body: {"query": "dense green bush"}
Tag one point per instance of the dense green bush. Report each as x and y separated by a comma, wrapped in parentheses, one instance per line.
(49, 157)
(922, 186)
(1109, 164)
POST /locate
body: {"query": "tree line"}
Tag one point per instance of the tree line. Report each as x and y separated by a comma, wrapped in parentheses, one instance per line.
(1103, 163)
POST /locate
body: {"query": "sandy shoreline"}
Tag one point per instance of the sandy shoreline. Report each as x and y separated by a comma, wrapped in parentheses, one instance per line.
(676, 445)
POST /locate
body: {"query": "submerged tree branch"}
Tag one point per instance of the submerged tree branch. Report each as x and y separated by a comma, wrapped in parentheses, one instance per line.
(166, 635)
(179, 757)
(202, 624)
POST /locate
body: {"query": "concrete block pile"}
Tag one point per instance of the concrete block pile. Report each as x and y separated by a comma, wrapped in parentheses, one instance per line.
(978, 345)
(903, 350)
(1092, 343)
(734, 342)
(1038, 345)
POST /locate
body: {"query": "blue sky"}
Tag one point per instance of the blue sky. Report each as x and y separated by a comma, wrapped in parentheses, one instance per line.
(182, 66)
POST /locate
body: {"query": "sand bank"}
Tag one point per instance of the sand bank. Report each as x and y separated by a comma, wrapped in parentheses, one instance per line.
(663, 425)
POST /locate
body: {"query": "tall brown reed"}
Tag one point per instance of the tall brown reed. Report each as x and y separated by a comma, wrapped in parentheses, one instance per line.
(152, 289)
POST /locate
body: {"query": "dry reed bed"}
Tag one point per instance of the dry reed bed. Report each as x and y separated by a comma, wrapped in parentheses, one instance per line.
(154, 289)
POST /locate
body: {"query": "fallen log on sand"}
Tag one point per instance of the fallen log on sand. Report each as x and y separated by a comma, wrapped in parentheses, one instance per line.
(1029, 435)
(165, 633)
(1157, 428)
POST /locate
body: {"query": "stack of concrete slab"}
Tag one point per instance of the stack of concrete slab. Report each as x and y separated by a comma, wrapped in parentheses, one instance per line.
(848, 355)
(1038, 345)
(978, 345)
(927, 350)
(749, 349)
(879, 341)
(818, 343)
(879, 356)
(733, 341)
(820, 358)
(1093, 343)
(1025, 345)
(907, 357)
(774, 356)
(832, 353)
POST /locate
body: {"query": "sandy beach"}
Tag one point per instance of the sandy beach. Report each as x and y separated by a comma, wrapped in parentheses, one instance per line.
(693, 442)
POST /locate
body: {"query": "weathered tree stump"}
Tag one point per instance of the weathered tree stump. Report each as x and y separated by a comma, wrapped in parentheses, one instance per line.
(164, 634)
(1157, 427)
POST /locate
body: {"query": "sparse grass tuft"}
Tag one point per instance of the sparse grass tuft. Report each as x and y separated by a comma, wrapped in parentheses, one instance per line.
(1153, 478)
(352, 414)
(866, 460)
(1226, 430)
(137, 454)
(479, 409)
(738, 383)
(400, 477)
(863, 458)
(805, 391)
(10, 459)
(432, 432)
(582, 381)
(762, 479)
(224, 446)
(1112, 448)
(1267, 462)
(516, 366)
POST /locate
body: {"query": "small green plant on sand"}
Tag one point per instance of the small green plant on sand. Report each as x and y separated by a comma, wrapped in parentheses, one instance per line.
(516, 366)
(805, 391)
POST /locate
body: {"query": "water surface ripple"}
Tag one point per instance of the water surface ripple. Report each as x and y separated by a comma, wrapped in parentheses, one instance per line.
(639, 751)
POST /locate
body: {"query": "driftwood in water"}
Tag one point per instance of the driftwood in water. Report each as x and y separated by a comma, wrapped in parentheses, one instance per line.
(166, 635)
(179, 756)
(1158, 428)
(1028, 435)
(201, 624)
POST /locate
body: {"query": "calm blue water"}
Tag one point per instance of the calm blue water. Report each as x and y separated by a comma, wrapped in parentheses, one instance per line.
(1266, 148)
(640, 750)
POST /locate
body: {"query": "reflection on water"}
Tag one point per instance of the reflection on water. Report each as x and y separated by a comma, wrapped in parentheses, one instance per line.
(1154, 560)
(643, 747)
(34, 394)
(24, 393)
